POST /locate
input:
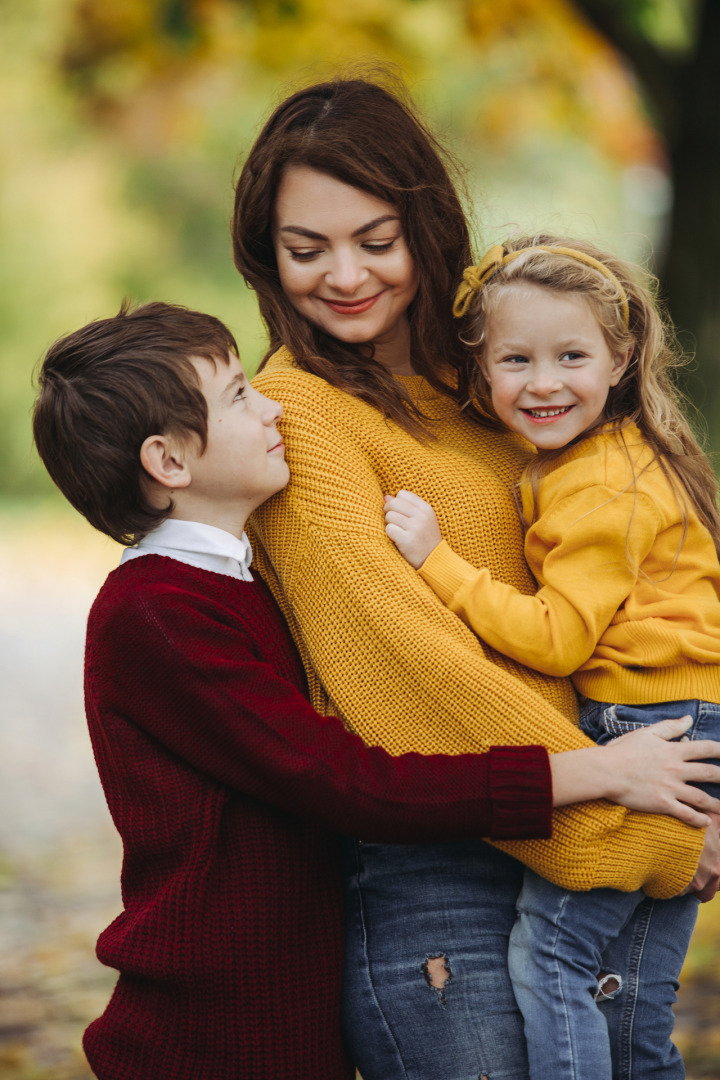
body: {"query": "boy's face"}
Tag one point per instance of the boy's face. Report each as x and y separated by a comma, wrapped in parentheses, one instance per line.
(244, 461)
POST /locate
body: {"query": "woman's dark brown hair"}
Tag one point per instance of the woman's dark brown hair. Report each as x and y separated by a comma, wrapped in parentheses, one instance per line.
(106, 388)
(365, 136)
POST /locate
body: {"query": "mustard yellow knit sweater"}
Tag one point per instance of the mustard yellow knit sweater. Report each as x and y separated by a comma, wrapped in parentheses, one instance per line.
(384, 653)
(629, 602)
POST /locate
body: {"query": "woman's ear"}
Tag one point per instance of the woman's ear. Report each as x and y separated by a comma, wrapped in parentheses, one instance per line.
(622, 359)
(164, 459)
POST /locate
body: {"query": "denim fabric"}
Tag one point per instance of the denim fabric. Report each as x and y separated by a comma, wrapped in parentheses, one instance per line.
(603, 722)
(408, 904)
(563, 940)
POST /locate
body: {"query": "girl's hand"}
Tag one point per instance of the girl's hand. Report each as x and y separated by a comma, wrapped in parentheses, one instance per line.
(643, 771)
(411, 524)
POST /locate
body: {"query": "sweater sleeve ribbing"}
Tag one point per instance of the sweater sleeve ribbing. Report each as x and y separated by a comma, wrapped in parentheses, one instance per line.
(585, 553)
(199, 688)
(402, 669)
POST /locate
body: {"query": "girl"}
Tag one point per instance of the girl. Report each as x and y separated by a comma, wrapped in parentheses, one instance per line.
(347, 225)
(622, 536)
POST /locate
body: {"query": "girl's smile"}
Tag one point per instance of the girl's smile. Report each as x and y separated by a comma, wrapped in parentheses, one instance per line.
(548, 364)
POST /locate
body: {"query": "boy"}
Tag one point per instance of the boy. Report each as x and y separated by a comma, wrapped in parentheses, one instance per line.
(221, 779)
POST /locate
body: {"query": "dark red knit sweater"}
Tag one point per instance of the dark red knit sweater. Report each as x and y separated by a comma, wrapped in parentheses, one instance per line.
(226, 788)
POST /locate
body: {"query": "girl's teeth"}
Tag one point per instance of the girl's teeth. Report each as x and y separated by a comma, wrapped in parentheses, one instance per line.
(548, 412)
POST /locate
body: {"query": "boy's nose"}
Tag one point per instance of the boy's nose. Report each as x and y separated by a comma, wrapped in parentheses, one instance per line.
(271, 410)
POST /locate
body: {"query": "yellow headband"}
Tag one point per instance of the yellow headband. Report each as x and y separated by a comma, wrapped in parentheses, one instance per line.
(476, 277)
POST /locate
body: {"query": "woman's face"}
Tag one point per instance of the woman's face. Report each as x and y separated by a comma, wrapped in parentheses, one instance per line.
(343, 261)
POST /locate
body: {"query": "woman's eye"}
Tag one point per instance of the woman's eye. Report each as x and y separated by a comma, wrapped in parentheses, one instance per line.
(383, 245)
(303, 256)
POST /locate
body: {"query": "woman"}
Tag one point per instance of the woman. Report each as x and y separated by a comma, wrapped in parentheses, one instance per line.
(348, 226)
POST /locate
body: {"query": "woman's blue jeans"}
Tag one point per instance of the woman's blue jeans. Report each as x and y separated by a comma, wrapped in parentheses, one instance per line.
(563, 940)
(426, 989)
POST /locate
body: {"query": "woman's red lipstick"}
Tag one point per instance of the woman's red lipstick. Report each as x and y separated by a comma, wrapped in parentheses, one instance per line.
(351, 307)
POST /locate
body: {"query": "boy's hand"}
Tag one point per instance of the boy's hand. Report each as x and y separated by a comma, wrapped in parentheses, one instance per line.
(411, 524)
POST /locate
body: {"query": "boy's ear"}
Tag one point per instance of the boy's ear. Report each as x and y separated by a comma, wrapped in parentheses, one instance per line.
(622, 360)
(164, 459)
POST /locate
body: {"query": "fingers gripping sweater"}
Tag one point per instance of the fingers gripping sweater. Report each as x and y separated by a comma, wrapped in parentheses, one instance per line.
(383, 652)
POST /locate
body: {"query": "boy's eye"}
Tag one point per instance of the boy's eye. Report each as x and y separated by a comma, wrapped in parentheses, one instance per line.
(239, 393)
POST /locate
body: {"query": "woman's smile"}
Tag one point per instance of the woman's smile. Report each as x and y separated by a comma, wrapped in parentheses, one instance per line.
(351, 307)
(344, 263)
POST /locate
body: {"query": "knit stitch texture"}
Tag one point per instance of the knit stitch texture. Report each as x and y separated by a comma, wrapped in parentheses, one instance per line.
(384, 653)
(227, 788)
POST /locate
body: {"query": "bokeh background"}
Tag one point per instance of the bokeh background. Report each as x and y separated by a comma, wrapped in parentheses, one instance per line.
(121, 124)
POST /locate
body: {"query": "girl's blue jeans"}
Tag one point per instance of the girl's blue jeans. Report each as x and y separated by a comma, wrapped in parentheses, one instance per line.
(562, 941)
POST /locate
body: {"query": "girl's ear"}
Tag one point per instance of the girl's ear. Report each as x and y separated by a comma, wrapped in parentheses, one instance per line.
(622, 360)
(164, 459)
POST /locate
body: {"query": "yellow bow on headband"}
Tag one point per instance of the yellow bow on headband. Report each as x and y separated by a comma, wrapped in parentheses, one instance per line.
(476, 277)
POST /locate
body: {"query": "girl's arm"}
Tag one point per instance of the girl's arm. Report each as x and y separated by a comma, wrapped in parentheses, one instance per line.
(588, 569)
(383, 653)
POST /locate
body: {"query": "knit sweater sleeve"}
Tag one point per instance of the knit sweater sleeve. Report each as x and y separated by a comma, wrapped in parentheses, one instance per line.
(397, 665)
(199, 687)
(585, 552)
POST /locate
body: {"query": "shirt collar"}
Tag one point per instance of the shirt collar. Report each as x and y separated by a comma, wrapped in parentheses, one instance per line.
(197, 544)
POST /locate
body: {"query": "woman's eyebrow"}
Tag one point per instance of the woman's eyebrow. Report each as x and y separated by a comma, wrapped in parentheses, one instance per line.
(298, 230)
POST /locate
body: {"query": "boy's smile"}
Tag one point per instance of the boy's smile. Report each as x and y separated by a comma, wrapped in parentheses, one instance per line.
(548, 364)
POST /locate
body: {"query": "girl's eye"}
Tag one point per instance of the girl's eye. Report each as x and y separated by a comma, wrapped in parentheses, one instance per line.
(571, 356)
(514, 361)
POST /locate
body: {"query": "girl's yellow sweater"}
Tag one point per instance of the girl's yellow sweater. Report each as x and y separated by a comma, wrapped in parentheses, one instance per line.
(384, 653)
(629, 598)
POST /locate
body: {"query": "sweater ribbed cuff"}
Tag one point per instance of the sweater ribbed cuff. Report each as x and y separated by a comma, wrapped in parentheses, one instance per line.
(520, 792)
(445, 571)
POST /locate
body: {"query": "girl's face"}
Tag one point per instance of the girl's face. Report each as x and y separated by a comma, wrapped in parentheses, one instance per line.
(548, 364)
(344, 263)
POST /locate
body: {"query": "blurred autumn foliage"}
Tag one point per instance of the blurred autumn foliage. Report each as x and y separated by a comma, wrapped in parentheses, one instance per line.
(124, 120)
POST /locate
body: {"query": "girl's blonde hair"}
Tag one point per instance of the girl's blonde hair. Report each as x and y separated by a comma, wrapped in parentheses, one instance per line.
(623, 298)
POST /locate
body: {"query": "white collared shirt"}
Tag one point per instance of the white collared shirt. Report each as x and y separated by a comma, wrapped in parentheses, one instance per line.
(198, 545)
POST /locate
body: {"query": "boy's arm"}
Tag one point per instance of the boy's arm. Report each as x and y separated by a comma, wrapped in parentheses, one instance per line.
(182, 671)
(587, 563)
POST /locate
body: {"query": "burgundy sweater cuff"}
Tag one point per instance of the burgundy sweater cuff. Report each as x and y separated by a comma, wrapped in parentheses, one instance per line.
(520, 792)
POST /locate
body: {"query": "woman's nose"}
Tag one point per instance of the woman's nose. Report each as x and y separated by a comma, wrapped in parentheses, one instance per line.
(347, 273)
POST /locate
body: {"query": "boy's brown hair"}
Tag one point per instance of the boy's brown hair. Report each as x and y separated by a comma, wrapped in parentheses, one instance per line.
(107, 387)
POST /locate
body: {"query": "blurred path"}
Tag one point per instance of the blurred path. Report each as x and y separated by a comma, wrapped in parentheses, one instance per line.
(59, 854)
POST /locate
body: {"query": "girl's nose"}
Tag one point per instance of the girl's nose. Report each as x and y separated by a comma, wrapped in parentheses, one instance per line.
(347, 273)
(544, 382)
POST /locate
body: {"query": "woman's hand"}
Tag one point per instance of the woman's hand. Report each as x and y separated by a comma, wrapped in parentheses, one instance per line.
(643, 771)
(411, 524)
(707, 876)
